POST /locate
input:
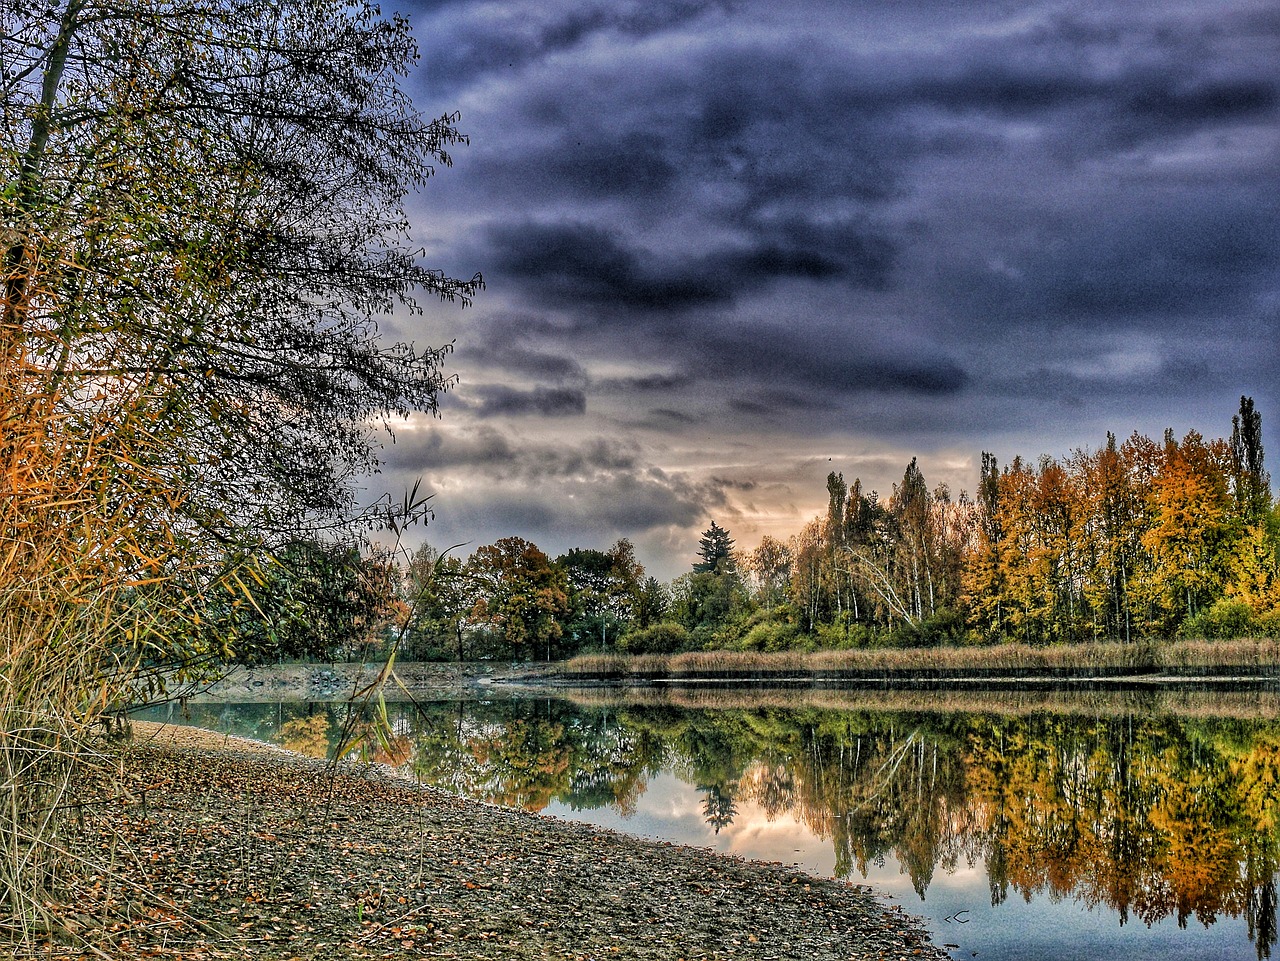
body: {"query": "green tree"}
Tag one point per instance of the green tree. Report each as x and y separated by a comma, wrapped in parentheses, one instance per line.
(521, 594)
(983, 590)
(1250, 481)
(441, 597)
(653, 601)
(716, 550)
(705, 604)
(604, 591)
(316, 600)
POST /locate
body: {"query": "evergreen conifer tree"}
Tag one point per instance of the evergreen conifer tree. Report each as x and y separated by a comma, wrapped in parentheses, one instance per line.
(715, 547)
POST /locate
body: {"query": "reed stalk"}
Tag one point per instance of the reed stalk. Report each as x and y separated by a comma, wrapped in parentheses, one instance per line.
(80, 563)
(1150, 656)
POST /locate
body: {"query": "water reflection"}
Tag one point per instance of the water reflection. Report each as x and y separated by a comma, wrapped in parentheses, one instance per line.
(1152, 817)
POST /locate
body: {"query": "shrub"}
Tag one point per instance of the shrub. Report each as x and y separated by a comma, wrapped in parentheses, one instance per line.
(845, 635)
(1227, 618)
(1268, 623)
(770, 636)
(945, 626)
(666, 637)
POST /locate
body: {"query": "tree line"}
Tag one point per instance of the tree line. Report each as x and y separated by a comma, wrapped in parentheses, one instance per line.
(1138, 539)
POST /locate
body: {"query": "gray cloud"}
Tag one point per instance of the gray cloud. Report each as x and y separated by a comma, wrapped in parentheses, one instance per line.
(713, 232)
(497, 400)
(523, 360)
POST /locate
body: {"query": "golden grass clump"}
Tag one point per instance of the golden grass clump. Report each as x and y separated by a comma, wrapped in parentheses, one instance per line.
(79, 565)
(1110, 657)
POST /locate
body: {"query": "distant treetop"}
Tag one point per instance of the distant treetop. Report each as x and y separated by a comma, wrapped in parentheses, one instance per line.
(716, 550)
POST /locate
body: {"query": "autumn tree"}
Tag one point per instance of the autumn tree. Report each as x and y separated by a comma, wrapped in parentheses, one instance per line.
(201, 218)
(769, 566)
(521, 595)
(807, 559)
(1190, 530)
(1116, 513)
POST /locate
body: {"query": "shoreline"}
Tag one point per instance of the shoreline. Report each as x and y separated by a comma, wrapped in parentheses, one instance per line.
(248, 850)
(338, 682)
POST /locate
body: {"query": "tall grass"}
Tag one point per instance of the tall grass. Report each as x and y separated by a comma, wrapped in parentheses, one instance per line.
(80, 564)
(54, 689)
(1015, 658)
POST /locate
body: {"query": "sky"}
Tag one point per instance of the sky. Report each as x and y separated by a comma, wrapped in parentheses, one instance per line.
(730, 247)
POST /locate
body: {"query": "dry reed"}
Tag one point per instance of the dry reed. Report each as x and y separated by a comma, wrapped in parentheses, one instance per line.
(1144, 657)
(81, 561)
(1245, 705)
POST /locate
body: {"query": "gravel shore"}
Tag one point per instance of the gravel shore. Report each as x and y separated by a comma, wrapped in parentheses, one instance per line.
(222, 848)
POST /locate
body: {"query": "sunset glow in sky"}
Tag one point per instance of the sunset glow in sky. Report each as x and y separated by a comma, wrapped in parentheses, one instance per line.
(732, 246)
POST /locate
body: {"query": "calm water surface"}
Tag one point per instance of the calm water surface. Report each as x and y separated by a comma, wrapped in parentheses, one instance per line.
(1116, 834)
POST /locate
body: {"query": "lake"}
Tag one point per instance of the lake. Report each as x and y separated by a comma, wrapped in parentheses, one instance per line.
(1098, 828)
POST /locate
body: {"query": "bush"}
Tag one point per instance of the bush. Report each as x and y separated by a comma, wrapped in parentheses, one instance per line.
(666, 637)
(945, 626)
(770, 636)
(1268, 623)
(1228, 618)
(845, 635)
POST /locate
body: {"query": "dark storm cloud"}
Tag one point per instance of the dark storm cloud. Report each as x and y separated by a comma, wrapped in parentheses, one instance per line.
(494, 453)
(729, 228)
(483, 447)
(534, 363)
(580, 264)
(559, 495)
(636, 163)
(810, 366)
(497, 400)
(466, 47)
(644, 383)
(576, 264)
(1158, 102)
(1073, 386)
(1180, 254)
(664, 418)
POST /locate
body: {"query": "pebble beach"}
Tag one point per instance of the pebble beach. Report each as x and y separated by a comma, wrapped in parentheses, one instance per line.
(211, 846)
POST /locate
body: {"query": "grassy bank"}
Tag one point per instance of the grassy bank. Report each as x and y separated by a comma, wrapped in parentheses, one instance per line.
(1211, 658)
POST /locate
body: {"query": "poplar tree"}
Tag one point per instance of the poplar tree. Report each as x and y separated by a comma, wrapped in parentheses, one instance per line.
(1250, 479)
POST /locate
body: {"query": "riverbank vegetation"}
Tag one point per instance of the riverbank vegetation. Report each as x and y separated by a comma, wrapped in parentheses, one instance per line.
(201, 214)
(1138, 541)
(1085, 659)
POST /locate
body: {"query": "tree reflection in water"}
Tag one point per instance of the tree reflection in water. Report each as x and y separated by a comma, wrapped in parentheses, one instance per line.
(1153, 815)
